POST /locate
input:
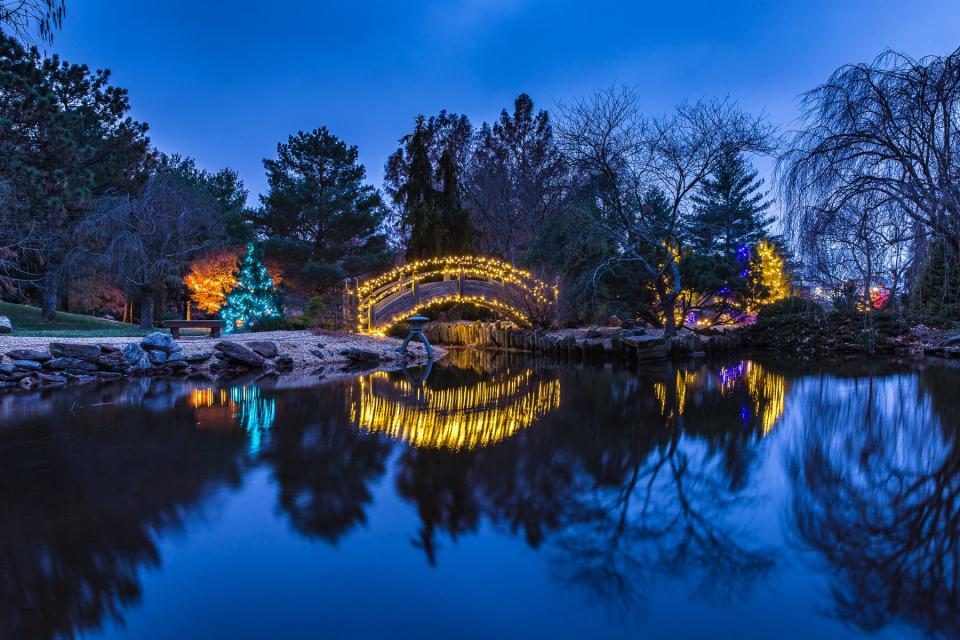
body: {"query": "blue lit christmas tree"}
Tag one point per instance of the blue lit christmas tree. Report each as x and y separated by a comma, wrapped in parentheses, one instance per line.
(254, 297)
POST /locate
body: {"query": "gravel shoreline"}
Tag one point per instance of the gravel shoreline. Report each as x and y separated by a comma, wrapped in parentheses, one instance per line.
(296, 344)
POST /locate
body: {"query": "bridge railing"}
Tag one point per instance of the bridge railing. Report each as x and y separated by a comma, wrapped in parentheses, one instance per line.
(380, 302)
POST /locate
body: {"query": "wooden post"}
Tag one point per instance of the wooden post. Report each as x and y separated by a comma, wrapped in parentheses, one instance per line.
(347, 303)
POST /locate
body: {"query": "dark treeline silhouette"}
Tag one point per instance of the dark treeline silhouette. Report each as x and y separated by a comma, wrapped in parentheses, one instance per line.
(83, 503)
(875, 475)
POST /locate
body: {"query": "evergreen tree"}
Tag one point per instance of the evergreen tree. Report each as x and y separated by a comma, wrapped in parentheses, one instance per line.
(322, 223)
(729, 209)
(424, 178)
(225, 188)
(66, 139)
(421, 214)
(254, 297)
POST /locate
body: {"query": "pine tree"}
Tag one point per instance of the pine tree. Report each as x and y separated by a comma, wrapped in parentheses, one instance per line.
(421, 217)
(321, 221)
(730, 209)
(254, 297)
(424, 179)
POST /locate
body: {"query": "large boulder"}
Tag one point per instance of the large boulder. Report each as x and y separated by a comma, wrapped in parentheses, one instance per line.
(27, 365)
(88, 352)
(262, 348)
(28, 354)
(113, 361)
(157, 356)
(199, 358)
(361, 356)
(69, 364)
(51, 380)
(136, 357)
(159, 341)
(5, 325)
(647, 348)
(239, 354)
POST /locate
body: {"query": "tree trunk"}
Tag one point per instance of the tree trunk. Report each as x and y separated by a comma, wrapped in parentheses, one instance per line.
(51, 282)
(146, 307)
(669, 321)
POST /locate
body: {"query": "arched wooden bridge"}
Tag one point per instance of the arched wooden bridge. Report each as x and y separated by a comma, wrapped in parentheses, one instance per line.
(512, 293)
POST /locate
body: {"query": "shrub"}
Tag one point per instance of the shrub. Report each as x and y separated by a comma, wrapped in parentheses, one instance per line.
(788, 307)
(399, 330)
(283, 323)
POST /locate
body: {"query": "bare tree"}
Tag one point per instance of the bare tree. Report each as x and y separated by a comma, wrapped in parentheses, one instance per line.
(151, 237)
(515, 181)
(650, 169)
(875, 494)
(878, 141)
(22, 17)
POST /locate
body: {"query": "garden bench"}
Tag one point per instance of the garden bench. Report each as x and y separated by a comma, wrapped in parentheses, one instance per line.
(175, 325)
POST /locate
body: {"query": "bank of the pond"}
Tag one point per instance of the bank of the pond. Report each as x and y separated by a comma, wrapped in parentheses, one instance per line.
(42, 362)
(639, 344)
(789, 335)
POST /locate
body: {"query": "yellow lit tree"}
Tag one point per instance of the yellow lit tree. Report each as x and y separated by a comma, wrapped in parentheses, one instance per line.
(210, 278)
(768, 274)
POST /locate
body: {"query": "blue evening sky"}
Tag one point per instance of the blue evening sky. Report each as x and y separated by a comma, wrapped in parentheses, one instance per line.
(224, 82)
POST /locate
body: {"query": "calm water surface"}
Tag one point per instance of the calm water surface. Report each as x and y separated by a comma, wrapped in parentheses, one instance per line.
(501, 497)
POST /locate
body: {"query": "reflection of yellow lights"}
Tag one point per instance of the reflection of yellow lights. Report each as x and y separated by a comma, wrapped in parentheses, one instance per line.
(683, 379)
(767, 392)
(462, 418)
(203, 398)
(246, 405)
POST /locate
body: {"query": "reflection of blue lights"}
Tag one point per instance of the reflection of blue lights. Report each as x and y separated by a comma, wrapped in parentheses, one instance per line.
(256, 414)
(745, 415)
(729, 375)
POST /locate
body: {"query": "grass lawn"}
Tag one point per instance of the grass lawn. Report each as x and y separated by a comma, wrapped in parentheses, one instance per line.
(27, 322)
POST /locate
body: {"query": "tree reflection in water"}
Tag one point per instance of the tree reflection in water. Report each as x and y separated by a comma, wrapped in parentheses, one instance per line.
(624, 479)
(875, 476)
(324, 469)
(83, 500)
(632, 478)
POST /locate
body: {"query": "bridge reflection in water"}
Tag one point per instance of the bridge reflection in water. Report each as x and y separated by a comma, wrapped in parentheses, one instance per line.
(458, 418)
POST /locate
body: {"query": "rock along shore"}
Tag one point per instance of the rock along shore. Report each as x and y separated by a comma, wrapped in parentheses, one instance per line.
(638, 344)
(31, 363)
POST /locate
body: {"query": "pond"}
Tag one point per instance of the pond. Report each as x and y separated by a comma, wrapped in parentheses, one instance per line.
(495, 495)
